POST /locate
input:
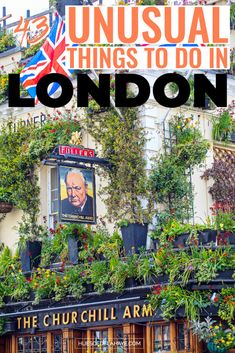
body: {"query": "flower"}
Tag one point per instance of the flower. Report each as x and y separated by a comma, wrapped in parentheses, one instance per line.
(157, 289)
(52, 131)
(221, 226)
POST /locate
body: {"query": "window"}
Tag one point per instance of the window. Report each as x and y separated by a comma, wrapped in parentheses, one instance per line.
(119, 340)
(183, 337)
(57, 342)
(162, 338)
(32, 344)
(53, 196)
(101, 341)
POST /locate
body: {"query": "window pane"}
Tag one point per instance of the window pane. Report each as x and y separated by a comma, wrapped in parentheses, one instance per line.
(27, 344)
(54, 178)
(180, 337)
(20, 345)
(105, 341)
(54, 194)
(157, 339)
(36, 344)
(54, 191)
(101, 341)
(166, 338)
(57, 344)
(54, 206)
(43, 344)
(162, 338)
(119, 342)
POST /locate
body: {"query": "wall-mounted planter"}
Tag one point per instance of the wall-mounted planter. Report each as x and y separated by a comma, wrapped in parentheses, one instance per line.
(162, 279)
(131, 282)
(156, 243)
(134, 237)
(89, 287)
(73, 248)
(223, 237)
(232, 239)
(226, 274)
(180, 241)
(207, 236)
(30, 255)
(232, 137)
(5, 207)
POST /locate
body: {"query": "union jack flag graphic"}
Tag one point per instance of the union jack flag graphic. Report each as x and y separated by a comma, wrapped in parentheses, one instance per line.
(49, 59)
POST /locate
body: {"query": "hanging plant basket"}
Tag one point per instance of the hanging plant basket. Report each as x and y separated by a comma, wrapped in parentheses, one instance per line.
(5, 207)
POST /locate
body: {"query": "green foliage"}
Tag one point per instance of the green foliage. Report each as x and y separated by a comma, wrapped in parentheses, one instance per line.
(99, 275)
(174, 89)
(2, 324)
(4, 82)
(122, 141)
(232, 12)
(32, 50)
(179, 267)
(190, 147)
(13, 282)
(172, 298)
(223, 125)
(210, 331)
(55, 247)
(227, 308)
(169, 178)
(75, 280)
(20, 154)
(7, 41)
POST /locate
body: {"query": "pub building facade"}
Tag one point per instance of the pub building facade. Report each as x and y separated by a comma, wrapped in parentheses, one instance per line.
(111, 323)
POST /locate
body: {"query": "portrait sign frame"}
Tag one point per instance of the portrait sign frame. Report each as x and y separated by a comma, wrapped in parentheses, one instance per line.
(69, 210)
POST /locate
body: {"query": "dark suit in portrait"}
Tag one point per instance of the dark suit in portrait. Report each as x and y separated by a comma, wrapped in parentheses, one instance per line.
(86, 210)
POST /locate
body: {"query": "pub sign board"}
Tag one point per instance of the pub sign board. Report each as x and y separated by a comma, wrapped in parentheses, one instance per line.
(76, 151)
(86, 317)
(77, 194)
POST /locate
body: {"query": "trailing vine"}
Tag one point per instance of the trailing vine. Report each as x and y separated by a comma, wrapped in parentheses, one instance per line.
(122, 141)
(170, 180)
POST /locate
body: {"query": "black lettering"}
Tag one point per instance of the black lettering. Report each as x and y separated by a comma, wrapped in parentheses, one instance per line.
(121, 99)
(101, 93)
(14, 93)
(35, 118)
(66, 94)
(43, 119)
(217, 93)
(159, 90)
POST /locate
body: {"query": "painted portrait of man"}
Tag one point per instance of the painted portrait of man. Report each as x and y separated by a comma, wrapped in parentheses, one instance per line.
(77, 194)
